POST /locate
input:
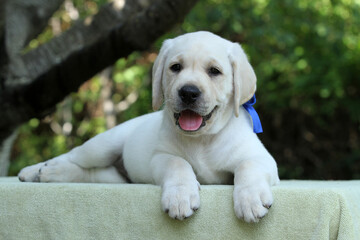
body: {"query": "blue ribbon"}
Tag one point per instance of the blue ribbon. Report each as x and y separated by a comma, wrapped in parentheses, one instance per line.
(254, 116)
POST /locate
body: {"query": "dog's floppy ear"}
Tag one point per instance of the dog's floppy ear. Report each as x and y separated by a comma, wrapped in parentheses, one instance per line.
(244, 78)
(157, 75)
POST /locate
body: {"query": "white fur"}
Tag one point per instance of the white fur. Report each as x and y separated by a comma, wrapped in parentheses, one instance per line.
(155, 150)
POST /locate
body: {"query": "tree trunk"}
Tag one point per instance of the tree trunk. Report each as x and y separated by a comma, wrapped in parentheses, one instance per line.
(5, 151)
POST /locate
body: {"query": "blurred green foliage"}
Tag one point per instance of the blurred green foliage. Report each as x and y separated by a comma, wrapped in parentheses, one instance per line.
(306, 55)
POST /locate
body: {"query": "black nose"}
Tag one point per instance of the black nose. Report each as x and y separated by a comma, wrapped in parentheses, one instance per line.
(189, 94)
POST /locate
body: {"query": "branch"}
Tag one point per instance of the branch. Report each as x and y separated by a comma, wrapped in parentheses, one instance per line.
(25, 19)
(21, 21)
(3, 57)
(60, 66)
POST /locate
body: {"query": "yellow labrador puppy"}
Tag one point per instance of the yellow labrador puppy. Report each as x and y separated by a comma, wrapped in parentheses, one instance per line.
(202, 135)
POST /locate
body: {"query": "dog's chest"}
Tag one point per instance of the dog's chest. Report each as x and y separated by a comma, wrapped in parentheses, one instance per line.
(206, 166)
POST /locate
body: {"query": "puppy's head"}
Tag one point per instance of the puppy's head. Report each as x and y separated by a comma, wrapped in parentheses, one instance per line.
(204, 79)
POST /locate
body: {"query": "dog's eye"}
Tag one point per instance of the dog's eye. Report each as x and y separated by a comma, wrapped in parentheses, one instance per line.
(176, 67)
(213, 71)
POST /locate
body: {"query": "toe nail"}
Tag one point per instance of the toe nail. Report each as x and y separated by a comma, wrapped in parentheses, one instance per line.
(267, 206)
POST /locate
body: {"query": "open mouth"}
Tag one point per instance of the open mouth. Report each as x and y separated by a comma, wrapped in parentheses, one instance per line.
(191, 121)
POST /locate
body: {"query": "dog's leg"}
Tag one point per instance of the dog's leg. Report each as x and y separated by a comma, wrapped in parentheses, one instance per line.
(180, 189)
(252, 193)
(99, 152)
(61, 170)
(69, 172)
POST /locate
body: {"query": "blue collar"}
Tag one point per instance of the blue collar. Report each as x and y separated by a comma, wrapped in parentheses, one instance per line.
(253, 114)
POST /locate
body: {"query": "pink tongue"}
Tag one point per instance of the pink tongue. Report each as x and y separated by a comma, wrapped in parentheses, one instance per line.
(190, 121)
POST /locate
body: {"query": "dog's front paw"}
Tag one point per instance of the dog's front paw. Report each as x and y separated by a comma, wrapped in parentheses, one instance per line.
(58, 169)
(180, 201)
(31, 173)
(252, 203)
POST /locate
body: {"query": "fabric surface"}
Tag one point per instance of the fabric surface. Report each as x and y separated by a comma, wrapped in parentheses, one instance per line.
(301, 210)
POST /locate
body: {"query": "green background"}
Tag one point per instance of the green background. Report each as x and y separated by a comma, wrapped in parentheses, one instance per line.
(306, 55)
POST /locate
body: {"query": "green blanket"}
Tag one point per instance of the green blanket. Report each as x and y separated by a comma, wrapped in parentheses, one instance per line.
(302, 210)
